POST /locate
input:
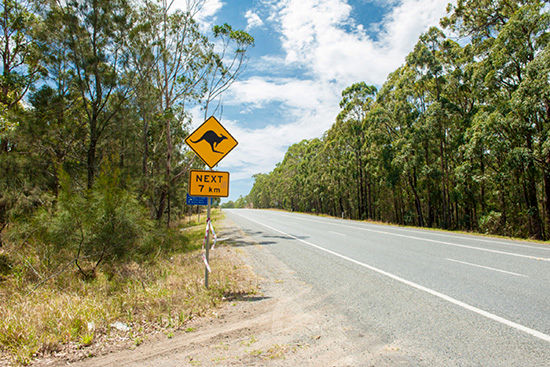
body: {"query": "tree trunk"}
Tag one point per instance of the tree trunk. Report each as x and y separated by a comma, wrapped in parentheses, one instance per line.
(444, 186)
(412, 183)
(431, 214)
(162, 205)
(92, 146)
(145, 147)
(546, 176)
(532, 202)
(535, 225)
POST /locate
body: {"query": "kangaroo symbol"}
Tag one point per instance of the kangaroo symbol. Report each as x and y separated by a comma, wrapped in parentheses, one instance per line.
(211, 138)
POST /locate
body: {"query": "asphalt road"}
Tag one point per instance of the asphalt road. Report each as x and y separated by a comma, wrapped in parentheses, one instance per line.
(442, 298)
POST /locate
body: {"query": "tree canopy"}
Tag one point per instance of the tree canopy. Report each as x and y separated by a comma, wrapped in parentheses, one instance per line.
(94, 108)
(456, 138)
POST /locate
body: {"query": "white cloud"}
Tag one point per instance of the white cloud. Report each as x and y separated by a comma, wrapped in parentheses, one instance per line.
(253, 20)
(313, 32)
(294, 93)
(209, 9)
(205, 10)
(259, 149)
(322, 40)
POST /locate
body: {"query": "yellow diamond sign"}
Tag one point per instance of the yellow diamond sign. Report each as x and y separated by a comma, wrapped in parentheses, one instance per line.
(211, 141)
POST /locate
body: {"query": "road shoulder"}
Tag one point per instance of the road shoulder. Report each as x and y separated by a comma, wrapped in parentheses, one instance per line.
(285, 323)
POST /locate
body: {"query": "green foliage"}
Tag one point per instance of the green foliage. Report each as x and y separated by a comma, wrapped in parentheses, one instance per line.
(490, 223)
(456, 138)
(241, 202)
(93, 166)
(112, 84)
(5, 265)
(103, 226)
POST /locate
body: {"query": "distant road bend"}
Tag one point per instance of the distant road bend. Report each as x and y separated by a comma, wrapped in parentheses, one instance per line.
(450, 298)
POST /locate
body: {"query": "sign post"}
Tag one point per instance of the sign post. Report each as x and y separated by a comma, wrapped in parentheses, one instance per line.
(211, 142)
(207, 245)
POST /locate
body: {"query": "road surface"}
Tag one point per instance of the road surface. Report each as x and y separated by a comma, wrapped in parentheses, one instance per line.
(442, 298)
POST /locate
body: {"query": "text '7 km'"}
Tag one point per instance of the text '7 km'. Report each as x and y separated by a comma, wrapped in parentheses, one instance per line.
(209, 183)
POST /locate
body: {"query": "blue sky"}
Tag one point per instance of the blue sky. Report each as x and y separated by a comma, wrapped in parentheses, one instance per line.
(306, 52)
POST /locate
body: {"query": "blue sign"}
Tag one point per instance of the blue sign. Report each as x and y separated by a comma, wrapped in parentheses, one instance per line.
(196, 200)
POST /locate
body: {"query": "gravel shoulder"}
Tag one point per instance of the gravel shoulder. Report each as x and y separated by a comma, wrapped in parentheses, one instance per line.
(286, 323)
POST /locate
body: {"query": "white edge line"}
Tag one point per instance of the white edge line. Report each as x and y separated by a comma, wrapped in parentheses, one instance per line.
(488, 268)
(449, 299)
(465, 237)
(430, 240)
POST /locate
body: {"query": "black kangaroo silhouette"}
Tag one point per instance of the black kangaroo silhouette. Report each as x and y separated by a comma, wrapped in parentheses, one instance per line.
(212, 138)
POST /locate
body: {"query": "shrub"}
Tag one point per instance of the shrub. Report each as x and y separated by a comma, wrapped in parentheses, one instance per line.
(5, 265)
(490, 223)
(102, 226)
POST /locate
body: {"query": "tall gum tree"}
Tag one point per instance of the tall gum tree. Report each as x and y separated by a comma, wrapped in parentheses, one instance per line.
(177, 77)
(20, 70)
(356, 103)
(20, 61)
(96, 39)
(507, 36)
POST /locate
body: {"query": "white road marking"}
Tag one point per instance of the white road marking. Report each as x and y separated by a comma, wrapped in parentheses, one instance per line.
(428, 240)
(488, 267)
(547, 248)
(442, 296)
(338, 233)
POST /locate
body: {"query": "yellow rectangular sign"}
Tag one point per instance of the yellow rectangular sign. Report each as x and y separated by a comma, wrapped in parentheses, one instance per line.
(209, 183)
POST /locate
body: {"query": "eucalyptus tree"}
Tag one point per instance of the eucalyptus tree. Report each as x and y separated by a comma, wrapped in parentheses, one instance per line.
(20, 61)
(95, 40)
(226, 61)
(531, 102)
(399, 116)
(507, 36)
(431, 122)
(329, 170)
(145, 98)
(178, 58)
(259, 195)
(466, 183)
(20, 70)
(356, 103)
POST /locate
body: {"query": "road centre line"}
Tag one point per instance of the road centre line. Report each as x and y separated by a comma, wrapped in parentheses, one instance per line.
(488, 267)
(338, 233)
(437, 294)
(427, 239)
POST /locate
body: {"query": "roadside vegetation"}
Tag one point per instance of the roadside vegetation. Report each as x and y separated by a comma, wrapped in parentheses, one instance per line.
(456, 138)
(50, 307)
(241, 202)
(94, 108)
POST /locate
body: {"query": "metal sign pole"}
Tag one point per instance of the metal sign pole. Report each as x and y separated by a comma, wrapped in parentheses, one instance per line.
(207, 247)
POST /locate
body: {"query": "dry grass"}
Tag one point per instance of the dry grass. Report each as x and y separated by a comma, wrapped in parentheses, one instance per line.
(162, 295)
